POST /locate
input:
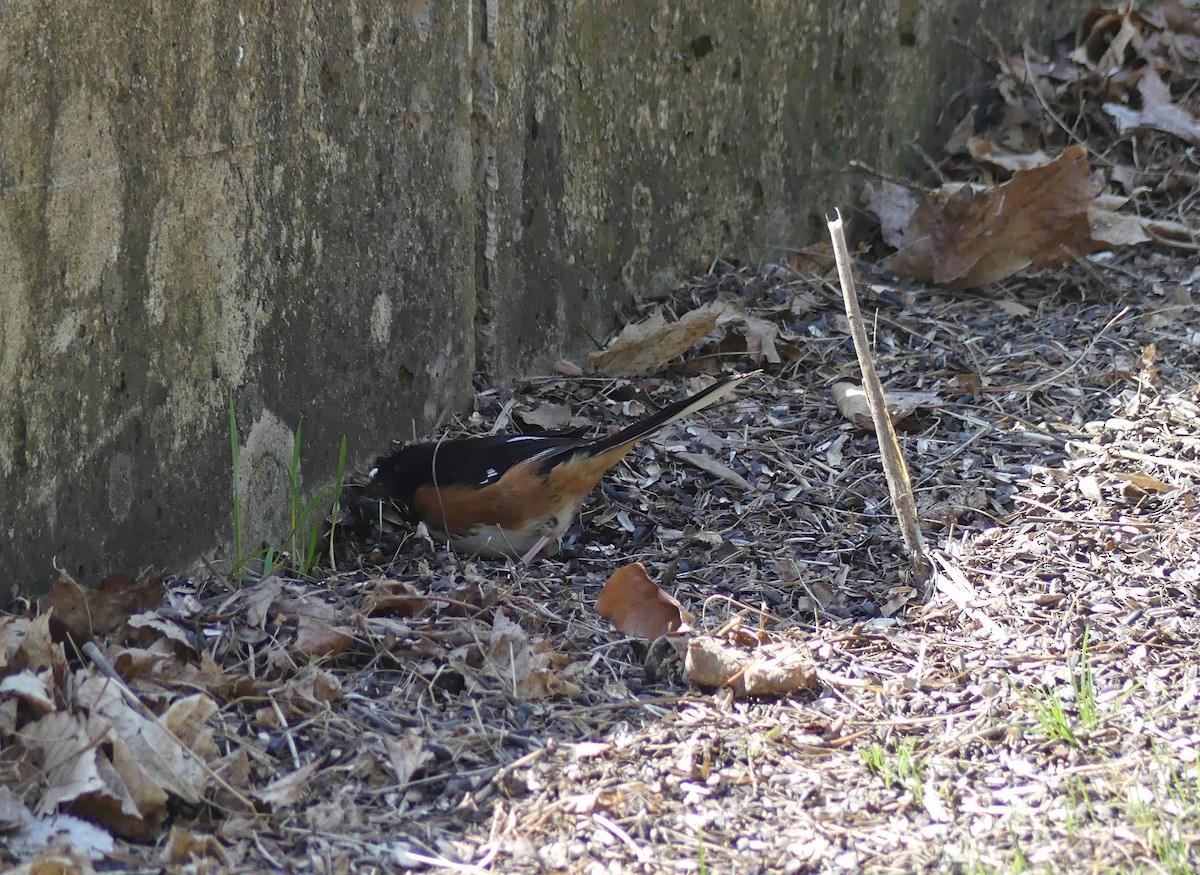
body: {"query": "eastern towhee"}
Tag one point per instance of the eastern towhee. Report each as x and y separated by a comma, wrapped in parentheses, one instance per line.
(510, 495)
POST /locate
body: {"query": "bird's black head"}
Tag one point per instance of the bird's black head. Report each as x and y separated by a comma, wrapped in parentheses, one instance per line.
(396, 476)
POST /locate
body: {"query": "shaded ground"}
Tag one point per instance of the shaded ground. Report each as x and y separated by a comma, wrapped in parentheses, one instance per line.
(1037, 709)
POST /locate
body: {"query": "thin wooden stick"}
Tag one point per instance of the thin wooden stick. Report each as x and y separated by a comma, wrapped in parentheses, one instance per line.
(894, 467)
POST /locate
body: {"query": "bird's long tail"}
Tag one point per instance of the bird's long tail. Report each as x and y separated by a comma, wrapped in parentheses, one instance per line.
(655, 421)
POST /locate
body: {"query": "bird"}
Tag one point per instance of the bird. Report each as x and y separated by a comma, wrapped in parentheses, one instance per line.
(511, 495)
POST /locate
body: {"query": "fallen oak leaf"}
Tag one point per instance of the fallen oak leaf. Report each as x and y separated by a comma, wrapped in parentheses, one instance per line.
(68, 755)
(760, 334)
(851, 402)
(32, 688)
(317, 631)
(986, 152)
(967, 237)
(81, 614)
(547, 416)
(720, 470)
(166, 628)
(1143, 483)
(637, 606)
(12, 810)
(1158, 111)
(644, 347)
(1125, 229)
(184, 846)
(528, 668)
(286, 790)
(259, 598)
(31, 835)
(406, 755)
(393, 598)
(168, 763)
(894, 206)
(771, 670)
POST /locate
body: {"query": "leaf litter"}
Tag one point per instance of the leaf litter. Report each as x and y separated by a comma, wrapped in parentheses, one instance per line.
(1037, 709)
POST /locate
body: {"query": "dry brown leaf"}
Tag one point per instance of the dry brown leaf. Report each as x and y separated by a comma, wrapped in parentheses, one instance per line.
(1111, 34)
(184, 846)
(637, 606)
(716, 468)
(1142, 482)
(1125, 229)
(53, 863)
(168, 629)
(1011, 307)
(547, 416)
(83, 614)
(987, 152)
(33, 689)
(68, 757)
(1158, 111)
(288, 789)
(406, 755)
(971, 237)
(149, 800)
(943, 508)
(546, 683)
(187, 719)
(509, 652)
(83, 840)
(644, 347)
(392, 598)
(759, 333)
(771, 670)
(170, 766)
(817, 258)
(12, 810)
(13, 631)
(259, 598)
(851, 402)
(894, 206)
(114, 806)
(531, 670)
(318, 630)
(38, 650)
(585, 750)
(311, 687)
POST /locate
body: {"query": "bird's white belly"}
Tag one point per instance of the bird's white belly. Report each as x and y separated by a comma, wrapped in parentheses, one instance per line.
(489, 540)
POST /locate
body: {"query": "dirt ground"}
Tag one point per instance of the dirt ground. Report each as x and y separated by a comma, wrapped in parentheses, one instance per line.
(1033, 706)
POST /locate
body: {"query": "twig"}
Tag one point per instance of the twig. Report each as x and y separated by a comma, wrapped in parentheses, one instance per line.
(1045, 381)
(887, 177)
(642, 855)
(899, 485)
(953, 583)
(1177, 464)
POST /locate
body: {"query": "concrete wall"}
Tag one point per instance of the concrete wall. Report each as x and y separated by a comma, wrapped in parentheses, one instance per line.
(338, 211)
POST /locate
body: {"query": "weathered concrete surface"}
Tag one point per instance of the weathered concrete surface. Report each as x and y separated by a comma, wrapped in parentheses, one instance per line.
(199, 199)
(337, 211)
(633, 137)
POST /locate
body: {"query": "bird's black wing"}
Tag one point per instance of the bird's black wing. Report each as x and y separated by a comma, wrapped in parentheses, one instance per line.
(474, 462)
